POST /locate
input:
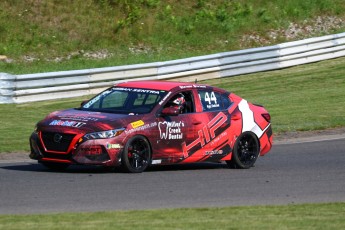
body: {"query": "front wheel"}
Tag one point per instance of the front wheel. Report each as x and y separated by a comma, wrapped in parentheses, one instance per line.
(136, 155)
(246, 151)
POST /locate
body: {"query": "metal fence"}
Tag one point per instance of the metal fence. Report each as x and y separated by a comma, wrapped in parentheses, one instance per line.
(64, 84)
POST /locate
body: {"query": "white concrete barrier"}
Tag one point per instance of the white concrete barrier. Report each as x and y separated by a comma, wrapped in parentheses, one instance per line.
(64, 84)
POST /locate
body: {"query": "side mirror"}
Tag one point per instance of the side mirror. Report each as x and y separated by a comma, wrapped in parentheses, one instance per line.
(170, 111)
(83, 103)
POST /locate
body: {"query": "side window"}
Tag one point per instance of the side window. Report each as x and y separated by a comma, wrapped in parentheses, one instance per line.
(212, 101)
(226, 101)
(183, 101)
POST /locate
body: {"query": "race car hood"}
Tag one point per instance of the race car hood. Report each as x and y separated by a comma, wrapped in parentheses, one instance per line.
(75, 120)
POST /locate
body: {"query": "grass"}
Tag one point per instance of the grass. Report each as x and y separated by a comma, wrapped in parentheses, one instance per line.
(307, 97)
(44, 36)
(18, 121)
(304, 216)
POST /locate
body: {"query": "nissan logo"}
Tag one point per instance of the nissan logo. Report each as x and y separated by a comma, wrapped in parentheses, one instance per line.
(57, 138)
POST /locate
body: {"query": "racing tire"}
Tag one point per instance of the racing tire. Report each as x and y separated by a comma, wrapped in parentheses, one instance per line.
(136, 156)
(246, 151)
(55, 166)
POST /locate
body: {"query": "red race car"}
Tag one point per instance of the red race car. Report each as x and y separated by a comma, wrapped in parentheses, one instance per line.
(141, 123)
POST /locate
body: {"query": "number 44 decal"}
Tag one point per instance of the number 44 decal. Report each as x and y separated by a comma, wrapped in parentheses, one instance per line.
(211, 100)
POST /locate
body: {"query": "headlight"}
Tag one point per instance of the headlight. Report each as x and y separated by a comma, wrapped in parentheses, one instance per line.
(104, 134)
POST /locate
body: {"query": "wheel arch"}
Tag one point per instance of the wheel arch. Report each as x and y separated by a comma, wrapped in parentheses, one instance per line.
(127, 160)
(237, 160)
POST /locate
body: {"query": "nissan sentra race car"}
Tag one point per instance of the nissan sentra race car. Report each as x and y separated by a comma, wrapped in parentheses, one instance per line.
(141, 123)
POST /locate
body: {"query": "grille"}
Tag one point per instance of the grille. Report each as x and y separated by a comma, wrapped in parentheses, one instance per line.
(57, 142)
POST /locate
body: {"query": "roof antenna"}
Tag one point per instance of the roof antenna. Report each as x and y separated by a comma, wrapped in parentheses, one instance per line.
(196, 81)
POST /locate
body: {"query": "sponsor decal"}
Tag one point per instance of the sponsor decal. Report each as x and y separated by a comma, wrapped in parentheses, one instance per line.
(137, 124)
(214, 152)
(200, 86)
(80, 118)
(164, 98)
(150, 91)
(92, 150)
(170, 130)
(146, 91)
(113, 146)
(206, 134)
(212, 106)
(141, 128)
(74, 124)
(186, 86)
(192, 86)
(123, 89)
(215, 141)
(156, 162)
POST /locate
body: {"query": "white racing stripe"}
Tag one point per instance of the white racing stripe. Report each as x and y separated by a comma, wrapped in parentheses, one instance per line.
(248, 119)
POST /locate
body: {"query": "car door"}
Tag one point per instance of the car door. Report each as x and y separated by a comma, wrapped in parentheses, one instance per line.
(175, 130)
(211, 128)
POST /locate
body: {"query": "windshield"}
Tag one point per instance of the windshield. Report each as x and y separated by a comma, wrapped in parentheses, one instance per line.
(125, 100)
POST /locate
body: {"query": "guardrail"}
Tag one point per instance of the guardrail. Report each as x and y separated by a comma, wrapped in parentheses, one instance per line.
(64, 84)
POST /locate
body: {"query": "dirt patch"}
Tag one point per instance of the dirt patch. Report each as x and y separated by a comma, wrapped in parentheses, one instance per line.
(20, 156)
(290, 136)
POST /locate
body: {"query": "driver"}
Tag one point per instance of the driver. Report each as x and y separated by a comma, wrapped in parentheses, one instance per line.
(178, 102)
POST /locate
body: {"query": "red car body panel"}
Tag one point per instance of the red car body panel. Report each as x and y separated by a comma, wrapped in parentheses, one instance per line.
(204, 134)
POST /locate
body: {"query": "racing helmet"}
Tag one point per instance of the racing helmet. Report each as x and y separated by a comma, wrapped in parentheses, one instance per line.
(178, 101)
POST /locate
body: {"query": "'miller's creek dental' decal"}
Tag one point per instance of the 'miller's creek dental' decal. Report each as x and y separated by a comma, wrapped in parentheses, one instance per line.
(170, 130)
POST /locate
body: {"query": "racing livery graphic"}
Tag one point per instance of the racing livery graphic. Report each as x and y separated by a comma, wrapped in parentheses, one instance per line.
(141, 123)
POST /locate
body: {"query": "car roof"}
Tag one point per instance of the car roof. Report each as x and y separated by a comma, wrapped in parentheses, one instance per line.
(156, 85)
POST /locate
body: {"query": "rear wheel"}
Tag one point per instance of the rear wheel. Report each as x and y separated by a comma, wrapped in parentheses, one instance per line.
(246, 151)
(136, 156)
(55, 166)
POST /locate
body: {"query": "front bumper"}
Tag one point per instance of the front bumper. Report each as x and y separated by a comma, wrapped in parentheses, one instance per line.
(105, 152)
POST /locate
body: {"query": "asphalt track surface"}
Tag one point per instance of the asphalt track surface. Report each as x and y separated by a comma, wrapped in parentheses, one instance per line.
(310, 172)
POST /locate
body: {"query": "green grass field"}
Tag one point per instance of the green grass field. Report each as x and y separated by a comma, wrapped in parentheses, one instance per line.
(304, 216)
(307, 97)
(44, 36)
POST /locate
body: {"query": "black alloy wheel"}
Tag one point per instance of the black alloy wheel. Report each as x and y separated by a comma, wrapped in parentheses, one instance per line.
(136, 156)
(245, 152)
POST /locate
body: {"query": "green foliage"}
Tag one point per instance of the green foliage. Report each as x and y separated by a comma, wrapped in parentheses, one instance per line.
(302, 216)
(42, 31)
(294, 96)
